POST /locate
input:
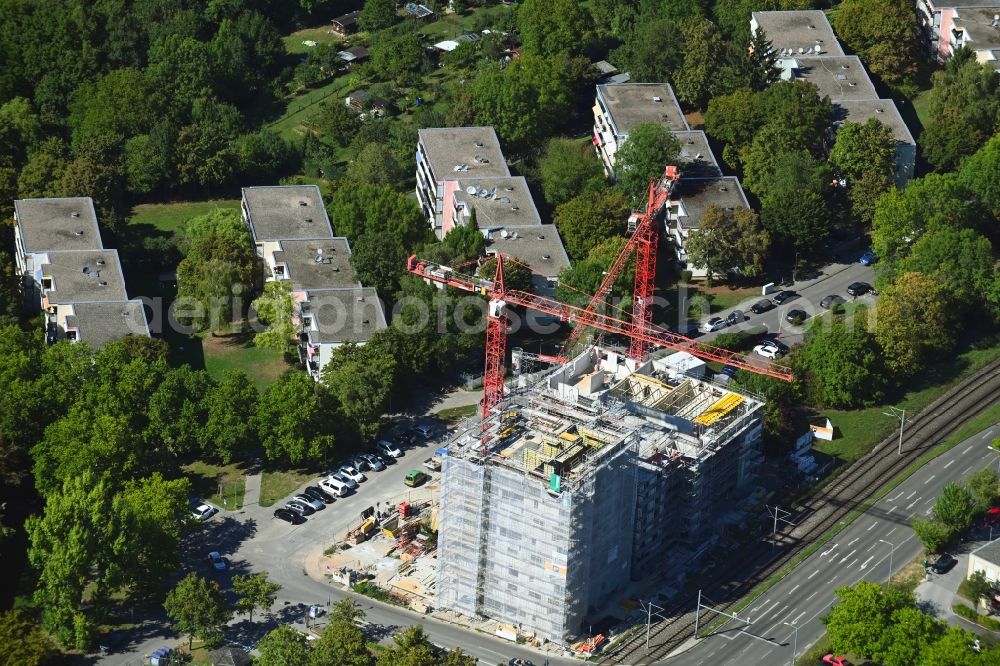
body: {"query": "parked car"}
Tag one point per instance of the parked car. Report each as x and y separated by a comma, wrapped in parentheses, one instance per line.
(415, 478)
(374, 463)
(425, 430)
(831, 301)
(300, 507)
(335, 486)
(361, 463)
(713, 324)
(858, 288)
(346, 480)
(784, 295)
(796, 317)
(868, 258)
(433, 463)
(289, 516)
(111, 642)
(730, 370)
(942, 565)
(314, 503)
(389, 449)
(217, 561)
(772, 340)
(384, 459)
(761, 306)
(767, 351)
(318, 493)
(203, 512)
(352, 472)
(735, 317)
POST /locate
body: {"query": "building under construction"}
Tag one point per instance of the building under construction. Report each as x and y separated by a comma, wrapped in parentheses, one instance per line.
(603, 471)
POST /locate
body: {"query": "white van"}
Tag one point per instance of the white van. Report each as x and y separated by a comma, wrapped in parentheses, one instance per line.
(334, 486)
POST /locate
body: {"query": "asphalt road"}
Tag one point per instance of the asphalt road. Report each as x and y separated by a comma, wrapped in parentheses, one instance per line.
(832, 279)
(859, 552)
(253, 541)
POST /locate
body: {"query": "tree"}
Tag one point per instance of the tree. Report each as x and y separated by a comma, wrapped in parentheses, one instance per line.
(964, 107)
(274, 307)
(552, 27)
(254, 591)
(908, 635)
(734, 118)
(96, 171)
(230, 406)
(516, 274)
(122, 102)
(652, 52)
(960, 259)
(177, 411)
(902, 216)
(25, 644)
(197, 607)
(914, 323)
(284, 646)
(567, 169)
(399, 59)
(338, 122)
(465, 242)
(864, 614)
(933, 534)
(263, 155)
(148, 161)
(885, 34)
(346, 610)
(978, 586)
(217, 268)
(952, 649)
(368, 209)
(954, 507)
(526, 100)
(728, 239)
(361, 380)
(410, 647)
(342, 642)
(290, 420)
(801, 219)
(377, 14)
(984, 486)
(649, 149)
(761, 61)
(842, 366)
(590, 218)
(375, 164)
(864, 154)
(980, 175)
(708, 67)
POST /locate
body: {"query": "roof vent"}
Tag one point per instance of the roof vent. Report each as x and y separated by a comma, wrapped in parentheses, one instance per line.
(365, 321)
(78, 232)
(541, 237)
(100, 262)
(546, 257)
(125, 313)
(319, 259)
(852, 84)
(514, 208)
(690, 142)
(812, 27)
(103, 283)
(505, 200)
(723, 188)
(504, 233)
(879, 110)
(509, 188)
(657, 99)
(303, 203)
(801, 50)
(845, 66)
(360, 299)
(86, 270)
(479, 144)
(74, 214)
(336, 269)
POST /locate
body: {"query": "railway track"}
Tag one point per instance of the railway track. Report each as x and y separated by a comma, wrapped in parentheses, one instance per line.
(819, 513)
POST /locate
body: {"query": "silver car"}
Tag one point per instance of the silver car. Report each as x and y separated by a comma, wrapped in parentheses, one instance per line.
(314, 503)
(346, 480)
(374, 463)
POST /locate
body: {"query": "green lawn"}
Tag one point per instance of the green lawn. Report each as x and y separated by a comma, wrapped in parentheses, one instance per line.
(861, 429)
(455, 414)
(207, 480)
(320, 35)
(172, 217)
(448, 26)
(236, 352)
(921, 104)
(301, 108)
(278, 484)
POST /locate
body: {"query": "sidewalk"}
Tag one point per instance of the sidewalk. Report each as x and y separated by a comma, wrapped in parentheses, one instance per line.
(251, 492)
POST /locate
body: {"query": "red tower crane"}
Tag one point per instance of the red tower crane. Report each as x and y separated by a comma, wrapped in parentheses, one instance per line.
(496, 328)
(644, 241)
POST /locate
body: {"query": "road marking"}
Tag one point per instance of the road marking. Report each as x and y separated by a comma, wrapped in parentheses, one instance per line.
(987, 434)
(910, 505)
(852, 562)
(910, 517)
(829, 550)
(832, 579)
(871, 548)
(852, 542)
(930, 500)
(929, 479)
(848, 555)
(967, 449)
(864, 565)
(798, 617)
(950, 463)
(890, 511)
(812, 595)
(890, 531)
(893, 499)
(872, 526)
(792, 591)
(911, 494)
(813, 574)
(967, 470)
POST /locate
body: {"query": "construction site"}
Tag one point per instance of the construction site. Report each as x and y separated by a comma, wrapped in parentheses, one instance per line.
(604, 471)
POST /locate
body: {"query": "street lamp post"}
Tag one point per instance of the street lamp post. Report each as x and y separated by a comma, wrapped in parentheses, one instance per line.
(795, 641)
(892, 549)
(994, 450)
(900, 414)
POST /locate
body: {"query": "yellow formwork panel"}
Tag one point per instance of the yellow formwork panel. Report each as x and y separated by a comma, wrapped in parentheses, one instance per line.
(569, 436)
(591, 438)
(721, 407)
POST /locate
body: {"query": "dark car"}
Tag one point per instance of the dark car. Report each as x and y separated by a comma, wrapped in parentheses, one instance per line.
(736, 317)
(868, 258)
(942, 565)
(796, 317)
(289, 516)
(858, 288)
(111, 642)
(831, 301)
(763, 305)
(770, 339)
(783, 296)
(300, 508)
(318, 493)
(730, 370)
